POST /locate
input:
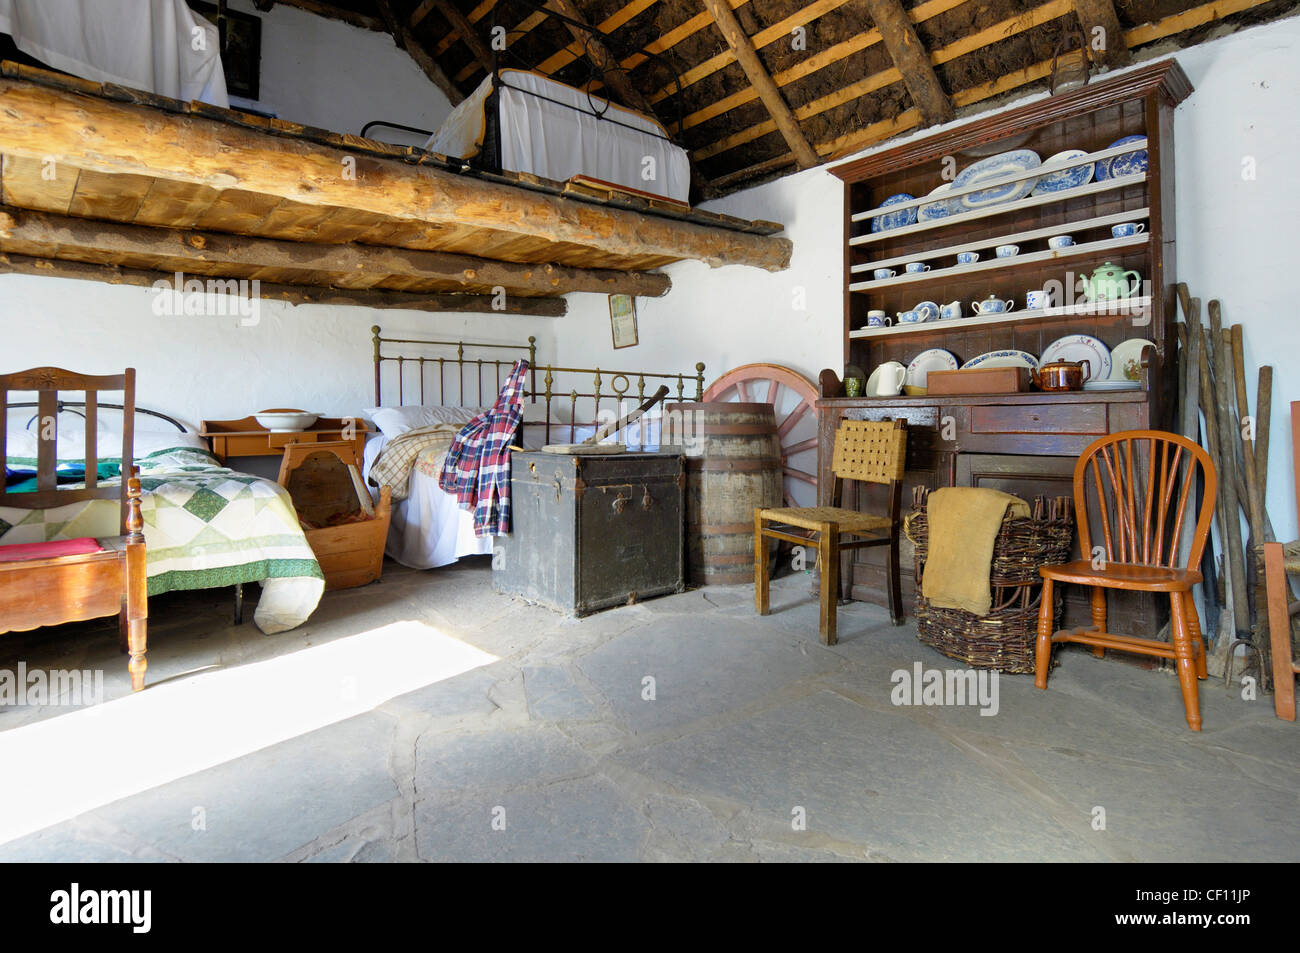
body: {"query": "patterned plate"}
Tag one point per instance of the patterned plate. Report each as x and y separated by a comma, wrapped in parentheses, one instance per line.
(935, 359)
(1081, 347)
(1130, 163)
(897, 219)
(995, 167)
(928, 213)
(1066, 178)
(1128, 359)
(1003, 359)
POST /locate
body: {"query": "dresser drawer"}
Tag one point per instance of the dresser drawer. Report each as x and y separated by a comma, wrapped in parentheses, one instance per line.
(1039, 419)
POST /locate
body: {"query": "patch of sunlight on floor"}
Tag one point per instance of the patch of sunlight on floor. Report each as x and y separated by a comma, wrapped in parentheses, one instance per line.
(60, 767)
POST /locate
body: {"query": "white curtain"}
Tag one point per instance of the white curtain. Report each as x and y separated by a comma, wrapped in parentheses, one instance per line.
(156, 45)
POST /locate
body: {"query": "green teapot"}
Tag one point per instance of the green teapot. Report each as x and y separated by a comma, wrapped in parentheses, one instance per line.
(1110, 283)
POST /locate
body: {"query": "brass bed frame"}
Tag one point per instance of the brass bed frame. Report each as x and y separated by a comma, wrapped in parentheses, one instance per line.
(466, 362)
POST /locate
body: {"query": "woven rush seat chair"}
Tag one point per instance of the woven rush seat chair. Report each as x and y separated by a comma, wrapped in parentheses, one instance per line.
(869, 451)
(1137, 486)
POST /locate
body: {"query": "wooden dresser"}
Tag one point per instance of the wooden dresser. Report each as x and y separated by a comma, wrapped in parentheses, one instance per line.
(1026, 443)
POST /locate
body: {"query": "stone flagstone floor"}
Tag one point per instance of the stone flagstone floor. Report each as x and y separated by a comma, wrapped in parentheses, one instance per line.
(543, 745)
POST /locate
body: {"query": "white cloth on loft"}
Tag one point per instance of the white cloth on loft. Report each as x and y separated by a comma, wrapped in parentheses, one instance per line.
(144, 44)
(550, 129)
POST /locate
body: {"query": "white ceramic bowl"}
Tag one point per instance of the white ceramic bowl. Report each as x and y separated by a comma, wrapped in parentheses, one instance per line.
(285, 421)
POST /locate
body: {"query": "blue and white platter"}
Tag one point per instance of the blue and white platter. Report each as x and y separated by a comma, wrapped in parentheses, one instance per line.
(996, 167)
(1070, 178)
(928, 213)
(1130, 163)
(1010, 358)
(906, 216)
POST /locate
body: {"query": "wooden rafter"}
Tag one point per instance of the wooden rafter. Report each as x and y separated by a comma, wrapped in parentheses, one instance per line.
(419, 13)
(49, 235)
(466, 31)
(759, 78)
(604, 60)
(573, 51)
(524, 27)
(99, 135)
(294, 294)
(1100, 15)
(403, 37)
(912, 59)
(478, 13)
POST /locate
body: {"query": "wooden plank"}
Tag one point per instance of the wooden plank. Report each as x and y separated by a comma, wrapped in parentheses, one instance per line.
(1187, 20)
(294, 294)
(1107, 46)
(117, 197)
(420, 12)
(33, 183)
(573, 51)
(466, 32)
(111, 137)
(527, 25)
(775, 104)
(478, 13)
(595, 49)
(912, 59)
(56, 234)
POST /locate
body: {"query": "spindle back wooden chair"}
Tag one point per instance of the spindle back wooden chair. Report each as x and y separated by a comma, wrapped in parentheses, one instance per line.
(1137, 486)
(869, 451)
(50, 583)
(1279, 560)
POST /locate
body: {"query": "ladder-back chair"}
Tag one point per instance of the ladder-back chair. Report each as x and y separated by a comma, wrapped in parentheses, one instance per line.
(1136, 486)
(50, 583)
(870, 451)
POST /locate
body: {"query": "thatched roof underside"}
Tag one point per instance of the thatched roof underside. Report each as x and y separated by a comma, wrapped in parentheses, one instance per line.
(844, 84)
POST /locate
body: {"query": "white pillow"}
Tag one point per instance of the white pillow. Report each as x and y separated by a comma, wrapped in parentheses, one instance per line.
(395, 421)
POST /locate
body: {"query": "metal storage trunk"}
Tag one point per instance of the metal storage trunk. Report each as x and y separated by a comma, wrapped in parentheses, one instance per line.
(592, 532)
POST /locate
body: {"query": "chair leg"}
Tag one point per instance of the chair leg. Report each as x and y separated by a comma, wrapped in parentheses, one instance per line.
(762, 581)
(1279, 632)
(895, 579)
(828, 555)
(845, 576)
(1194, 629)
(1043, 645)
(123, 641)
(137, 611)
(1184, 659)
(1098, 612)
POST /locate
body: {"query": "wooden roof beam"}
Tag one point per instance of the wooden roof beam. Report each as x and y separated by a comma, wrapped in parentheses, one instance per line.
(46, 233)
(462, 26)
(86, 132)
(913, 61)
(595, 49)
(759, 78)
(294, 294)
(407, 41)
(1107, 46)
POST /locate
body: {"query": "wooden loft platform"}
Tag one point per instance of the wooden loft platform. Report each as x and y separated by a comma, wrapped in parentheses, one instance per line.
(114, 184)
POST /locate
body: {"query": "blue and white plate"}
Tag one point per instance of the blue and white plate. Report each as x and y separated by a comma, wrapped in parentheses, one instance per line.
(935, 359)
(1009, 358)
(1081, 347)
(996, 167)
(1130, 163)
(906, 216)
(928, 213)
(1066, 178)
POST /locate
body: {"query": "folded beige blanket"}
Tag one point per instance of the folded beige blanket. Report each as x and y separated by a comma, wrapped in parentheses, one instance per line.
(400, 454)
(963, 525)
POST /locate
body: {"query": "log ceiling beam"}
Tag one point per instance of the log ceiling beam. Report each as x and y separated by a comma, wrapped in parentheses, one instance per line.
(466, 31)
(104, 136)
(912, 59)
(1100, 15)
(423, 59)
(759, 78)
(294, 294)
(50, 235)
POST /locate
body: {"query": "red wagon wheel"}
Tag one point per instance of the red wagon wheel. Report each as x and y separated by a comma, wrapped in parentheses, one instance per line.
(794, 399)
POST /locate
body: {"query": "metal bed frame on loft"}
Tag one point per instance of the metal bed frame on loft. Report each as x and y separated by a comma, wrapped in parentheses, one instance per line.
(606, 385)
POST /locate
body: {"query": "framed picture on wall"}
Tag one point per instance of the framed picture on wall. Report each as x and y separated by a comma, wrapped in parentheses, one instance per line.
(622, 320)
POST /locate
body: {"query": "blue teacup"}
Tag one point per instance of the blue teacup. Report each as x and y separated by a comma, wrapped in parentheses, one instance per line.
(917, 267)
(910, 317)
(1060, 241)
(1036, 300)
(1127, 229)
(967, 257)
(878, 319)
(881, 274)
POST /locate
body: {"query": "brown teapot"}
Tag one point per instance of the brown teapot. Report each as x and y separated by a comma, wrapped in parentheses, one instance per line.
(1062, 375)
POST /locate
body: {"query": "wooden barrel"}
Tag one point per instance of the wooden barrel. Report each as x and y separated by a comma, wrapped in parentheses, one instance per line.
(733, 464)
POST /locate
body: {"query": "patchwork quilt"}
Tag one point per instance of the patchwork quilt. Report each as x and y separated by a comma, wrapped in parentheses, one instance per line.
(205, 526)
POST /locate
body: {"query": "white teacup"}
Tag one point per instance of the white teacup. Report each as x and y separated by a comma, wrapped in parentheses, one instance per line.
(1060, 241)
(1007, 251)
(916, 267)
(878, 319)
(967, 257)
(1036, 300)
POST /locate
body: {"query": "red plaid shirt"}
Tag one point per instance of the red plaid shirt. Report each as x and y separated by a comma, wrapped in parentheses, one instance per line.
(477, 468)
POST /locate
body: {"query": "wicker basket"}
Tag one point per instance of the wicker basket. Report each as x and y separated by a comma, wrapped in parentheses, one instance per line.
(1003, 639)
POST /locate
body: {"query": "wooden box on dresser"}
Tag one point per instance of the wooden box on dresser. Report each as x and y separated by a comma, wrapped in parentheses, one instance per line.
(1025, 443)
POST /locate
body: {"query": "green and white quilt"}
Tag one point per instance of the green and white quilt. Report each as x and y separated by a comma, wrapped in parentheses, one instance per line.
(205, 526)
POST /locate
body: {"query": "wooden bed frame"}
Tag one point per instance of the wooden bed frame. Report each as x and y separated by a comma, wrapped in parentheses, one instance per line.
(480, 368)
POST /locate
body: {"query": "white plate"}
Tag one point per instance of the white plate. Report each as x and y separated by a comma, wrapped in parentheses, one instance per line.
(1111, 385)
(1003, 359)
(891, 366)
(1128, 359)
(1066, 178)
(935, 359)
(1080, 347)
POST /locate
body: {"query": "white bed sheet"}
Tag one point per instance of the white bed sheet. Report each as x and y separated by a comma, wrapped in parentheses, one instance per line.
(548, 129)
